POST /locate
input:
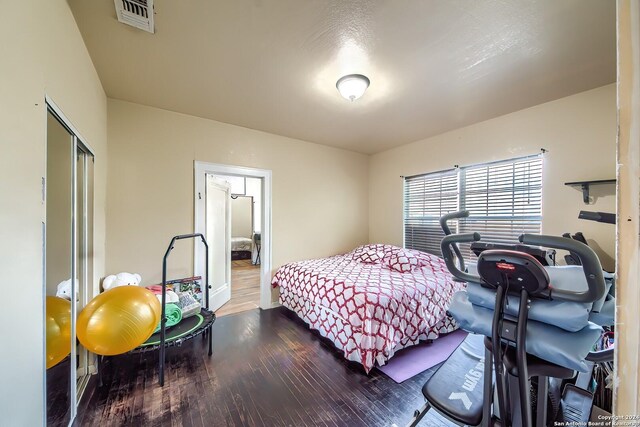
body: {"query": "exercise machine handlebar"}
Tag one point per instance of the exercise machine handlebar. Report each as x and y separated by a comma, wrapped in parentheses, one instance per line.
(447, 254)
(590, 264)
(450, 216)
(447, 232)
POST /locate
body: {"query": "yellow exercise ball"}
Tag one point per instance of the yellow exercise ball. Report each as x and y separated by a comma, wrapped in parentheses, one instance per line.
(58, 330)
(118, 320)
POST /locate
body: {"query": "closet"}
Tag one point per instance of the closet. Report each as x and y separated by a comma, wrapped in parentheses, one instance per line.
(68, 254)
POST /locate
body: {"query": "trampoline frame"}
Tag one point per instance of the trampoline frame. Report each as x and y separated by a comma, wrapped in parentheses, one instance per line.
(205, 288)
(208, 317)
(206, 329)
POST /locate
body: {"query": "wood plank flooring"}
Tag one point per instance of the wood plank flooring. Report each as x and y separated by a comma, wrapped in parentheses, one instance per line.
(267, 369)
(245, 288)
(58, 393)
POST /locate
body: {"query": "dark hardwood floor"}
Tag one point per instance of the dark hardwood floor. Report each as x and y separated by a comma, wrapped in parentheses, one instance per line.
(267, 369)
(58, 392)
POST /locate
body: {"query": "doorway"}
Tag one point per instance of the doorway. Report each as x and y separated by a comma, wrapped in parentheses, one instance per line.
(233, 210)
(246, 225)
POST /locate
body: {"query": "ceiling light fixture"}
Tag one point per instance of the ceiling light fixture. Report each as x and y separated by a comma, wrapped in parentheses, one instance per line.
(352, 86)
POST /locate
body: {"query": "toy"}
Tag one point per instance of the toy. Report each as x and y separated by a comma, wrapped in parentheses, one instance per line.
(118, 320)
(64, 289)
(58, 329)
(121, 279)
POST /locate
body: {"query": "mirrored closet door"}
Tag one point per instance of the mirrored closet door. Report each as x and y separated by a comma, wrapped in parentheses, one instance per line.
(68, 266)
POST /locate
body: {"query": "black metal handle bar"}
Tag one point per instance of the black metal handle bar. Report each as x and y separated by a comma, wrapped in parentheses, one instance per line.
(448, 256)
(204, 287)
(590, 265)
(447, 232)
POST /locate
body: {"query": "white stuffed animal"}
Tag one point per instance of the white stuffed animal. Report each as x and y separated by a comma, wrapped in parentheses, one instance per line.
(64, 289)
(121, 279)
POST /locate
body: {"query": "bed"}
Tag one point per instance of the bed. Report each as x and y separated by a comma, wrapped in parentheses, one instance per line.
(241, 248)
(372, 301)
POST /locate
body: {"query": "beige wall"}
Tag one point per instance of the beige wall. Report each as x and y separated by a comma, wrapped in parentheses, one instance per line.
(241, 217)
(579, 131)
(319, 193)
(254, 189)
(41, 53)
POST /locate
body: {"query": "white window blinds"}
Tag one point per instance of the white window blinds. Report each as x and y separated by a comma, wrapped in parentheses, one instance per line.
(426, 199)
(504, 200)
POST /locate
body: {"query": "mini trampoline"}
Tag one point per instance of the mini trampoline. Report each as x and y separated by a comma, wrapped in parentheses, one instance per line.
(191, 327)
(188, 328)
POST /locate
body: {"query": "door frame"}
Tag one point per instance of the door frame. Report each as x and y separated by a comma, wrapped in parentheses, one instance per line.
(201, 169)
(626, 392)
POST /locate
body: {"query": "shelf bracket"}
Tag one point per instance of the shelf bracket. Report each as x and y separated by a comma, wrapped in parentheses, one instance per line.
(586, 185)
(585, 193)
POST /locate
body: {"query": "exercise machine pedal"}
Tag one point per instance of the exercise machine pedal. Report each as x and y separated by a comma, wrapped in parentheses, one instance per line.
(575, 406)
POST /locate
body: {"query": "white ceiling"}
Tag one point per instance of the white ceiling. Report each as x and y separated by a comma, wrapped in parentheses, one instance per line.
(272, 65)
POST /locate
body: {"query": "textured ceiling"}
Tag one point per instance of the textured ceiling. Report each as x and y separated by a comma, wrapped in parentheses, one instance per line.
(272, 65)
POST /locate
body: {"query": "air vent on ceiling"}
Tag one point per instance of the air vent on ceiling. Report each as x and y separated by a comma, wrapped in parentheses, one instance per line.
(137, 13)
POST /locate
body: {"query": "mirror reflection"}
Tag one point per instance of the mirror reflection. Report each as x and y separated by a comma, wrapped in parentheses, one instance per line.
(69, 243)
(59, 287)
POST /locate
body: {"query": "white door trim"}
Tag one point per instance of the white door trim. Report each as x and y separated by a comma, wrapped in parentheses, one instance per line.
(57, 111)
(201, 170)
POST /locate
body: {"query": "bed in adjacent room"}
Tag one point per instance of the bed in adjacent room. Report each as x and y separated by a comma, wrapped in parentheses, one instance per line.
(372, 301)
(241, 248)
(242, 227)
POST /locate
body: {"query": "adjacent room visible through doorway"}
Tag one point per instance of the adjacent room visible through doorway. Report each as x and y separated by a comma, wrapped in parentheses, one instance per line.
(245, 288)
(246, 208)
(233, 210)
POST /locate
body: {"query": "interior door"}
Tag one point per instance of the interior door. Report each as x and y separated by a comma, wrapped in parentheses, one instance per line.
(218, 235)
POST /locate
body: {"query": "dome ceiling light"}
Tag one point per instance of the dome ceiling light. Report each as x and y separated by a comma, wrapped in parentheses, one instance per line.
(352, 86)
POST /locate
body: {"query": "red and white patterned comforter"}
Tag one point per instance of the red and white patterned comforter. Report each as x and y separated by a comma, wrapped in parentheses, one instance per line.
(369, 310)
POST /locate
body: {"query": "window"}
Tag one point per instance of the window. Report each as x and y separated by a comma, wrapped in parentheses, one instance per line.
(504, 200)
(426, 199)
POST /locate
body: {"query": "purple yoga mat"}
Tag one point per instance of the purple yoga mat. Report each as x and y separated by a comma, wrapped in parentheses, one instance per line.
(411, 361)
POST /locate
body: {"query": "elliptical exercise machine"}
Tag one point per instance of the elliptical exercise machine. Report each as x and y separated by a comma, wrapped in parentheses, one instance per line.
(531, 324)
